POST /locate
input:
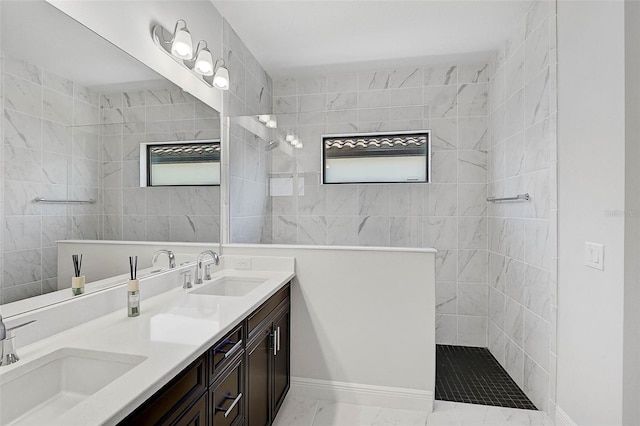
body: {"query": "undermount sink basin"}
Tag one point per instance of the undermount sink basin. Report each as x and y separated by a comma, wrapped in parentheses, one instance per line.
(39, 391)
(230, 286)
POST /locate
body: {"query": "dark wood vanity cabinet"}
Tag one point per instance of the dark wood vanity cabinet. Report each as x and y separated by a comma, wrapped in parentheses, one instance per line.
(226, 396)
(171, 404)
(242, 379)
(268, 364)
(196, 415)
(281, 361)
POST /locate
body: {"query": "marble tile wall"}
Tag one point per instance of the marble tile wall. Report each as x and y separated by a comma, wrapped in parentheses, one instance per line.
(449, 214)
(250, 93)
(522, 237)
(49, 149)
(160, 113)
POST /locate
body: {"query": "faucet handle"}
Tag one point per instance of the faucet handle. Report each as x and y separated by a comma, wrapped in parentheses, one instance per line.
(187, 280)
(9, 353)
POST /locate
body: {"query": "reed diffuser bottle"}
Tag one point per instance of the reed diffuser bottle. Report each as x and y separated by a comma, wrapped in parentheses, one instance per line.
(77, 281)
(133, 289)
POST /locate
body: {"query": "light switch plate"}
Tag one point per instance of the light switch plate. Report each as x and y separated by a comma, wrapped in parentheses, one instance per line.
(594, 255)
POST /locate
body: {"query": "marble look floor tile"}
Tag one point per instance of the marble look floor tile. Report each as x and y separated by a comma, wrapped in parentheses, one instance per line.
(296, 411)
(471, 414)
(525, 417)
(300, 411)
(331, 413)
(444, 414)
(390, 416)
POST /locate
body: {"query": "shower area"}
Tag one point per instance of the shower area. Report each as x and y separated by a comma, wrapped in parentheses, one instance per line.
(492, 130)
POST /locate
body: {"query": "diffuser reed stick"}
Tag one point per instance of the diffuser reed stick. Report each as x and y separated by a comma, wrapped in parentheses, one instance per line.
(133, 267)
(77, 264)
(77, 281)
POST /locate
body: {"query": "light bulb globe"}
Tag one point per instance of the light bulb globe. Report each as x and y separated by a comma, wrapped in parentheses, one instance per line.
(221, 78)
(182, 46)
(204, 63)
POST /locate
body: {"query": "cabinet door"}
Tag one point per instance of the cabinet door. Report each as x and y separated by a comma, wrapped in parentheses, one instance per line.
(194, 416)
(281, 371)
(259, 354)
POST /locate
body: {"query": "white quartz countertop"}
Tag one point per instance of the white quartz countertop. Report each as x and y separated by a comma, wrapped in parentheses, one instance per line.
(173, 329)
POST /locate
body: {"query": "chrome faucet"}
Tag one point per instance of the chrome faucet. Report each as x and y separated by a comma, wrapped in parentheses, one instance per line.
(201, 256)
(170, 255)
(9, 354)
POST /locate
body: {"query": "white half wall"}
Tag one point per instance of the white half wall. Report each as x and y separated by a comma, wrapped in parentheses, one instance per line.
(591, 182)
(362, 322)
(128, 24)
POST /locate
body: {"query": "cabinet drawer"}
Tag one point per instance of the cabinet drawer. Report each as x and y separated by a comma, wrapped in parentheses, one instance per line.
(196, 415)
(225, 351)
(166, 405)
(227, 396)
(266, 309)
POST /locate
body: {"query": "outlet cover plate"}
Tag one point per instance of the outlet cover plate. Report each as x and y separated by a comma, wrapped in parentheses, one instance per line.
(243, 263)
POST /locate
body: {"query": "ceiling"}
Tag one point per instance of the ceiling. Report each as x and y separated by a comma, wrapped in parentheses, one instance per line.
(38, 33)
(297, 37)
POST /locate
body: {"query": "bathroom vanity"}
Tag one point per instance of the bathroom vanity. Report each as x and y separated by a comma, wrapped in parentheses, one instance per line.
(217, 353)
(245, 375)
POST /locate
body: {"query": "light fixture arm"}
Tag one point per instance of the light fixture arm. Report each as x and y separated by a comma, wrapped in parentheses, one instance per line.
(215, 66)
(175, 30)
(201, 45)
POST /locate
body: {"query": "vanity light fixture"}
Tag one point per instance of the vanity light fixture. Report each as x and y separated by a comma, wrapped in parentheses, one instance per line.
(293, 141)
(269, 121)
(179, 46)
(272, 124)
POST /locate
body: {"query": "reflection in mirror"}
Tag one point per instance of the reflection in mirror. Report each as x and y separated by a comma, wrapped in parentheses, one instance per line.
(195, 163)
(251, 147)
(75, 113)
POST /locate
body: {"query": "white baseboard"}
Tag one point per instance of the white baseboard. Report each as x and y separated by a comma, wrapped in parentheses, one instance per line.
(356, 393)
(563, 419)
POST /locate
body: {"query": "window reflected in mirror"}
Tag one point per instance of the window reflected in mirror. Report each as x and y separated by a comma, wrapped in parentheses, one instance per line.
(194, 163)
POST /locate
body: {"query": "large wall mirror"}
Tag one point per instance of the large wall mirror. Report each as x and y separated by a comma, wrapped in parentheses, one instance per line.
(76, 110)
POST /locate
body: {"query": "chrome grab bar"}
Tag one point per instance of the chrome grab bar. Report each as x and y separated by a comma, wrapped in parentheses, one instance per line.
(524, 197)
(50, 201)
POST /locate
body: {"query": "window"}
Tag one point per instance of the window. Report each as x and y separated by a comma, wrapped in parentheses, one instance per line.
(195, 163)
(377, 157)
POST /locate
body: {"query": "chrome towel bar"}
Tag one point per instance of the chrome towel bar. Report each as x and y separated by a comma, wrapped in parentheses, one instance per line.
(524, 196)
(48, 201)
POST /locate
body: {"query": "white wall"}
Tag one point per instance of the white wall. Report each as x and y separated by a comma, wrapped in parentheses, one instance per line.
(631, 360)
(522, 237)
(128, 24)
(361, 316)
(591, 152)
